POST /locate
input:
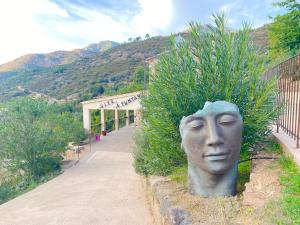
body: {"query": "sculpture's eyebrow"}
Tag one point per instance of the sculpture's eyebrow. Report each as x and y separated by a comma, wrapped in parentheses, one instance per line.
(194, 117)
(231, 113)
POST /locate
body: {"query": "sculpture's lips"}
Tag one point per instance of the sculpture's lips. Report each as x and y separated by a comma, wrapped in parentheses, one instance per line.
(216, 156)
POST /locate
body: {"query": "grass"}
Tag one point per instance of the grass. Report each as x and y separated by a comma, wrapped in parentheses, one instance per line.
(272, 146)
(180, 174)
(282, 210)
(243, 176)
(290, 180)
(288, 204)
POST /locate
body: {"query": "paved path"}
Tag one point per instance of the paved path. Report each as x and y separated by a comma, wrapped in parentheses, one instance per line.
(102, 189)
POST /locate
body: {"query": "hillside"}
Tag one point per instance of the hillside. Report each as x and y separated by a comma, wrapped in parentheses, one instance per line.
(84, 73)
(33, 61)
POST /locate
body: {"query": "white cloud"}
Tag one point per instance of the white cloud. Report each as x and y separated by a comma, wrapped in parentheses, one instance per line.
(240, 11)
(21, 33)
(38, 26)
(155, 15)
(228, 7)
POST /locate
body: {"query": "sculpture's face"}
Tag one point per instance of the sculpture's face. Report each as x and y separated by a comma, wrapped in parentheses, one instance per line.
(212, 140)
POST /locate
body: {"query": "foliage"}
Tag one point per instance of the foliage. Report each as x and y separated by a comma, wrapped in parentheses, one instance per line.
(131, 87)
(141, 75)
(110, 120)
(96, 121)
(290, 179)
(284, 32)
(33, 134)
(80, 77)
(97, 90)
(180, 175)
(14, 185)
(139, 82)
(244, 169)
(215, 64)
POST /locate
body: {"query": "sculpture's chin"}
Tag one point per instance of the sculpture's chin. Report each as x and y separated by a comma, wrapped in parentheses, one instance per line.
(218, 167)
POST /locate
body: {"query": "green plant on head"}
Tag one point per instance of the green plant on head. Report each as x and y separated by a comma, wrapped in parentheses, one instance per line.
(212, 63)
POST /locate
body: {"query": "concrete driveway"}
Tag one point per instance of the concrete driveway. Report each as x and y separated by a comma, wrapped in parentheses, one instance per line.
(102, 189)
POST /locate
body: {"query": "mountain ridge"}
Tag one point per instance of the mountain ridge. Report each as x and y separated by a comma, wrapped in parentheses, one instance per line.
(85, 76)
(55, 58)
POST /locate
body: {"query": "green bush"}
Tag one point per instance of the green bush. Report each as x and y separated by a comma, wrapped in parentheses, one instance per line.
(212, 63)
(34, 133)
(12, 186)
(284, 31)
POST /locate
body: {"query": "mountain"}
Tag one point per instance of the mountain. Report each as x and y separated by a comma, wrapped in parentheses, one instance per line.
(260, 37)
(78, 74)
(101, 46)
(33, 61)
(84, 73)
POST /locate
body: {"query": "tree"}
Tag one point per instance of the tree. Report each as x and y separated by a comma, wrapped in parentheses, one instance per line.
(284, 32)
(141, 75)
(139, 81)
(130, 39)
(209, 65)
(138, 38)
(97, 90)
(147, 36)
(33, 134)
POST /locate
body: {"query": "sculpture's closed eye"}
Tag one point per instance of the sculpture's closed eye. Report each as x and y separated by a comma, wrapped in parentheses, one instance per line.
(196, 124)
(227, 119)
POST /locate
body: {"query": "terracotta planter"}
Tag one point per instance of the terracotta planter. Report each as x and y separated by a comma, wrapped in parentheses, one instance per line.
(104, 132)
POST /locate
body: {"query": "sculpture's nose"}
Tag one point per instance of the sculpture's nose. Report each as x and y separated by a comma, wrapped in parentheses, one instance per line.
(214, 138)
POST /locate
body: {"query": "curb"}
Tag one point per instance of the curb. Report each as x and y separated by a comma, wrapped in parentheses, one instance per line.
(69, 165)
(163, 211)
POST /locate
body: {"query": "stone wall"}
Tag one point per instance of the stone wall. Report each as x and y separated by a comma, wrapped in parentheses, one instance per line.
(163, 211)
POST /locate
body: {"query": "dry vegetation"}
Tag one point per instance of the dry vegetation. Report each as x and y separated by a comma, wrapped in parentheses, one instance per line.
(265, 209)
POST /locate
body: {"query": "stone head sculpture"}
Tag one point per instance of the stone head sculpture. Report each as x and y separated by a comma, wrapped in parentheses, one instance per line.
(211, 139)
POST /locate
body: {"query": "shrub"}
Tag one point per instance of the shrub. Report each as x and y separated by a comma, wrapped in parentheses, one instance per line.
(33, 135)
(284, 31)
(211, 64)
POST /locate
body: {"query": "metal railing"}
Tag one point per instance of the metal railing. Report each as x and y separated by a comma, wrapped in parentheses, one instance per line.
(288, 74)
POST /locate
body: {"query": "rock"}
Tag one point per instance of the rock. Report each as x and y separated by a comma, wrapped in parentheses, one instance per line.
(164, 210)
(74, 147)
(177, 216)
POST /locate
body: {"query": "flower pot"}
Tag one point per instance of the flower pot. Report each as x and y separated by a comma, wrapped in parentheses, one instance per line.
(104, 132)
(97, 137)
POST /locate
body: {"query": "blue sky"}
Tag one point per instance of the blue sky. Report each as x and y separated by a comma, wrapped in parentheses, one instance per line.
(40, 26)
